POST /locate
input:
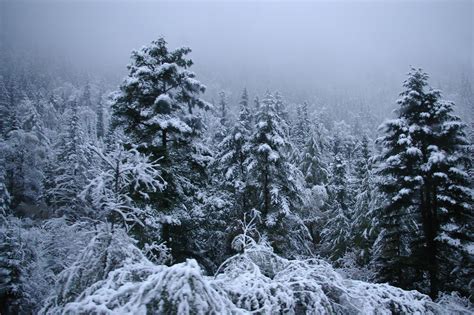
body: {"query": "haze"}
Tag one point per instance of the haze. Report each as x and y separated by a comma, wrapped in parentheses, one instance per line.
(303, 49)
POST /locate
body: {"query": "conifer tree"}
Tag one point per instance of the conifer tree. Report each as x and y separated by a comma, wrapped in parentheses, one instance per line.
(72, 169)
(100, 128)
(313, 167)
(222, 114)
(4, 107)
(233, 157)
(336, 232)
(302, 127)
(277, 181)
(158, 108)
(365, 202)
(425, 181)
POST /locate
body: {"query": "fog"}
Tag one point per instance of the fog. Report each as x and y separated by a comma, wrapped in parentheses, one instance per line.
(299, 48)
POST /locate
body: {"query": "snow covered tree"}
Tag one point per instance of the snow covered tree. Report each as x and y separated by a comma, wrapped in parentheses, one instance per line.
(335, 236)
(313, 167)
(302, 127)
(365, 202)
(4, 106)
(100, 127)
(72, 170)
(276, 181)
(222, 124)
(86, 98)
(233, 156)
(14, 258)
(24, 154)
(158, 108)
(4, 194)
(423, 160)
(157, 99)
(123, 178)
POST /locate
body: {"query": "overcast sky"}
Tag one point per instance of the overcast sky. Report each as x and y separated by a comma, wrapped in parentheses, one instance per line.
(292, 46)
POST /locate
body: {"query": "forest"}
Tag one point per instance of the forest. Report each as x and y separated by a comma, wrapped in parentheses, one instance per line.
(155, 196)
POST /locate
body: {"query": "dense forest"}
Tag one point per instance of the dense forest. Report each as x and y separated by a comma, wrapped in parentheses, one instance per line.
(152, 196)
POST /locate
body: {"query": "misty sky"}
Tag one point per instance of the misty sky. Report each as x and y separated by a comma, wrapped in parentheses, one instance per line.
(292, 46)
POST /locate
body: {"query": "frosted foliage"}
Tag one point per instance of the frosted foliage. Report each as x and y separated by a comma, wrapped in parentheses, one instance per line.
(124, 172)
(107, 251)
(255, 281)
(144, 288)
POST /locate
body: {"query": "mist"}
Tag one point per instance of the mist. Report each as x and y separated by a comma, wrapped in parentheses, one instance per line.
(298, 48)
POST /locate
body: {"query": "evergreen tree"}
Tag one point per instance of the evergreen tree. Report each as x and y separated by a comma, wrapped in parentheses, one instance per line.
(426, 184)
(302, 127)
(24, 154)
(100, 127)
(165, 108)
(72, 170)
(233, 157)
(313, 167)
(336, 232)
(222, 113)
(158, 108)
(4, 194)
(4, 106)
(365, 202)
(276, 181)
(86, 100)
(14, 258)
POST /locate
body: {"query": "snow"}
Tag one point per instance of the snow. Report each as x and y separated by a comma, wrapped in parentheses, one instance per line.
(164, 98)
(414, 151)
(254, 281)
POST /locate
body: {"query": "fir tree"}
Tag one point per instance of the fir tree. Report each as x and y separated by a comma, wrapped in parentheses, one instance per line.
(222, 115)
(233, 157)
(425, 182)
(158, 108)
(336, 232)
(275, 179)
(365, 202)
(302, 127)
(100, 128)
(313, 166)
(72, 169)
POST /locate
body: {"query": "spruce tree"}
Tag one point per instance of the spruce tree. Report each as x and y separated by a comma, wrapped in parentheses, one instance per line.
(72, 168)
(233, 157)
(222, 115)
(302, 127)
(276, 181)
(425, 182)
(313, 167)
(100, 127)
(365, 202)
(335, 235)
(158, 107)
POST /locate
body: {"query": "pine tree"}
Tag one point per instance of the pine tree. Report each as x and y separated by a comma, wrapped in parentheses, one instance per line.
(275, 179)
(4, 106)
(302, 127)
(233, 157)
(165, 108)
(4, 194)
(313, 167)
(100, 127)
(72, 170)
(425, 183)
(158, 108)
(14, 258)
(336, 232)
(24, 154)
(222, 114)
(365, 202)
